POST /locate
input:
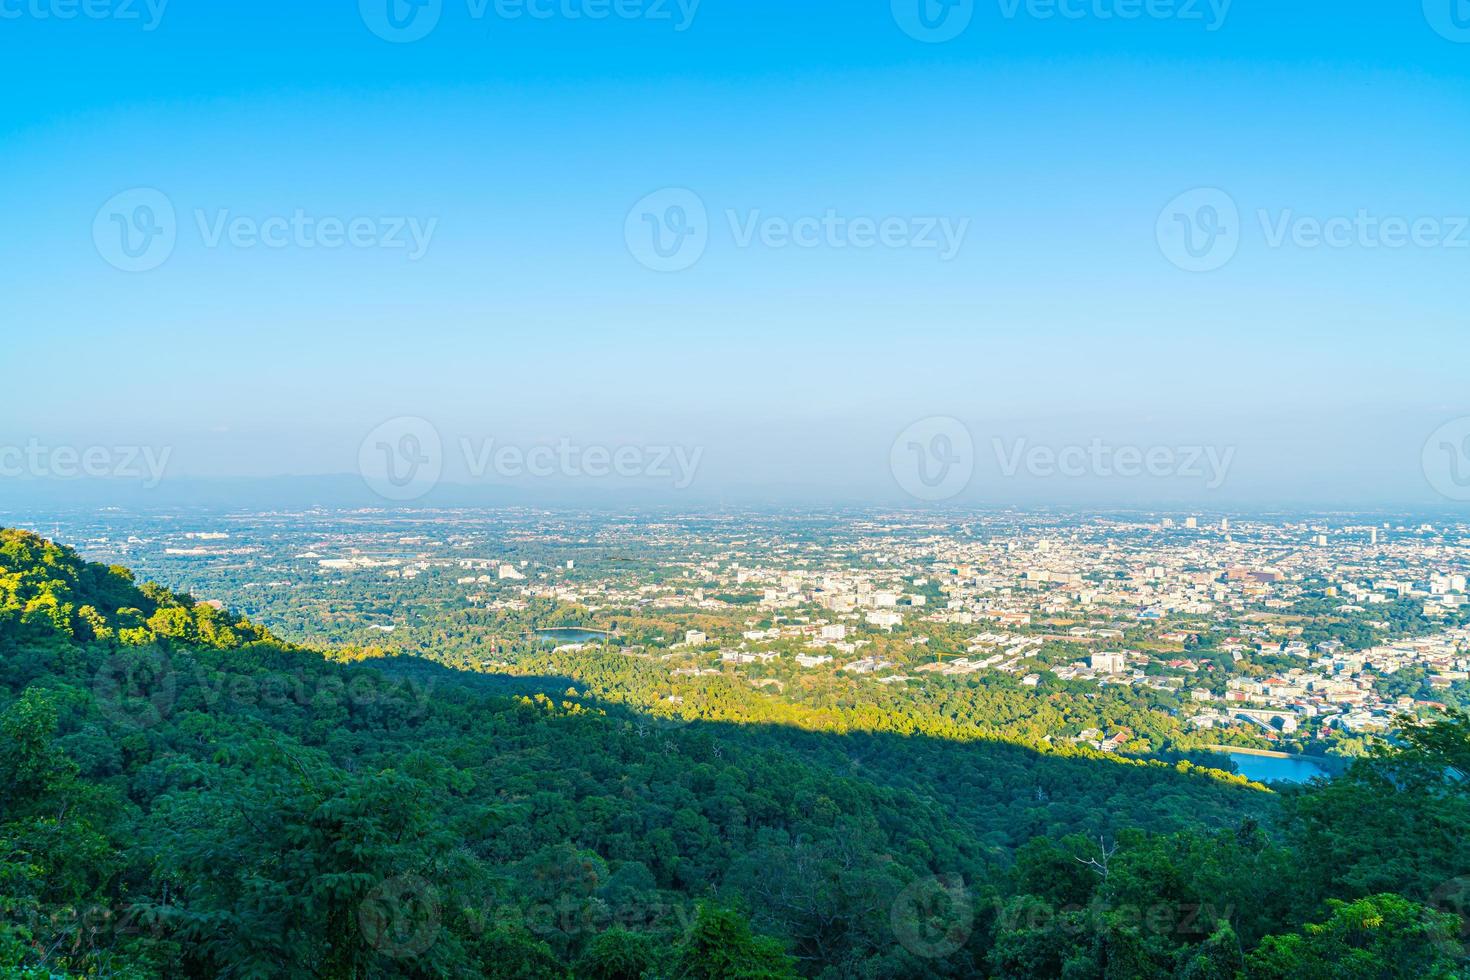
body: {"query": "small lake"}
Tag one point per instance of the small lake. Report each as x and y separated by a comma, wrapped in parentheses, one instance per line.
(561, 635)
(1267, 768)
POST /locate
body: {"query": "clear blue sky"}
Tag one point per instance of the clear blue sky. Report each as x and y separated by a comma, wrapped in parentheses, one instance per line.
(527, 318)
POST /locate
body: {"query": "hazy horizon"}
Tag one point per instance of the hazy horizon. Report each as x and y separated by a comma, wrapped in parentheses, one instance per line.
(791, 245)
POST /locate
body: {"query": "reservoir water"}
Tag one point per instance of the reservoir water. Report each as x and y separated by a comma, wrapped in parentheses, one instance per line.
(1267, 768)
(561, 635)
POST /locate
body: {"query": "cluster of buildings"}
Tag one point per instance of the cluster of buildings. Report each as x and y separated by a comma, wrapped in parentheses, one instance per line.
(1258, 623)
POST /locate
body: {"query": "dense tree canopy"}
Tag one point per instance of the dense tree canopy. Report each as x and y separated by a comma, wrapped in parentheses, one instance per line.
(183, 794)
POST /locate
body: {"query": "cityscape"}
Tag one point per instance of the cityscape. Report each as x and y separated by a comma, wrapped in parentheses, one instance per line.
(1279, 633)
(735, 490)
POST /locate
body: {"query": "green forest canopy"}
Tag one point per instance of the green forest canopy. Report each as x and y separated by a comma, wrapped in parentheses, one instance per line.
(181, 793)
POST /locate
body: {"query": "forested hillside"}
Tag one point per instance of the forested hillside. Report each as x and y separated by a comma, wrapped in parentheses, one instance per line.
(182, 794)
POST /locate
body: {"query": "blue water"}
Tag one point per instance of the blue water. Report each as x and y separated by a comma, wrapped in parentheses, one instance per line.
(1265, 769)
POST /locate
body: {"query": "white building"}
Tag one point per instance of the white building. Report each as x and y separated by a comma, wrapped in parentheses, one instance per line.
(1108, 663)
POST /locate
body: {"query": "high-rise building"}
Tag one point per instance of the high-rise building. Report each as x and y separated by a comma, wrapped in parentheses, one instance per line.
(1108, 663)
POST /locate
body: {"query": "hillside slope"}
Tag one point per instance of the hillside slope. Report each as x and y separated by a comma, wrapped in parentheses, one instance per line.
(181, 793)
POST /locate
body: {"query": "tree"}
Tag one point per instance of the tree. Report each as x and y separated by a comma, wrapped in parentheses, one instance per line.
(1382, 936)
(618, 954)
(720, 946)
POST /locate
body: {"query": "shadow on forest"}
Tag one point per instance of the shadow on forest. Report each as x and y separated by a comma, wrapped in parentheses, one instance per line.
(985, 784)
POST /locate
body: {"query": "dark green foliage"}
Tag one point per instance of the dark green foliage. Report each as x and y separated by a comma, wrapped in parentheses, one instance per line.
(618, 954)
(182, 794)
(720, 946)
(1382, 936)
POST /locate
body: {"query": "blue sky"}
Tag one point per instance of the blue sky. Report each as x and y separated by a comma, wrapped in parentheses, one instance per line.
(523, 142)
